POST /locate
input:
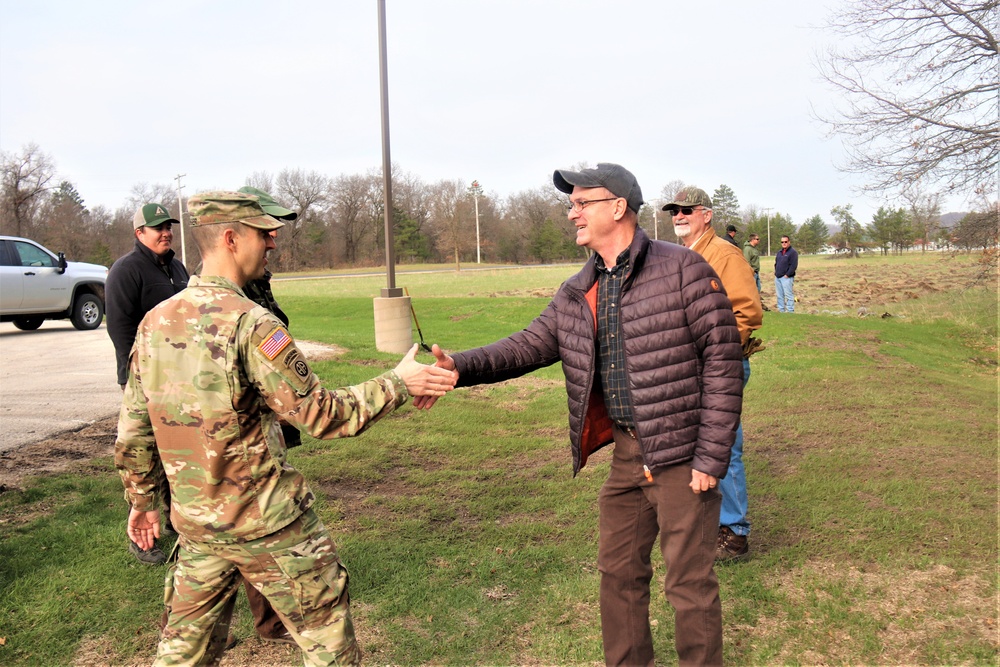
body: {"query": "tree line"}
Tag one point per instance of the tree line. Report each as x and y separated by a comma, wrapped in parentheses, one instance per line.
(341, 220)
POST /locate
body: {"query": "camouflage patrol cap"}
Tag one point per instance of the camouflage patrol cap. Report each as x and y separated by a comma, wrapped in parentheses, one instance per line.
(270, 206)
(218, 207)
(612, 177)
(689, 196)
(152, 215)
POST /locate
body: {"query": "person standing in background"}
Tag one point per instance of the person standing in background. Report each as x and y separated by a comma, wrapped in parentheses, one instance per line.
(147, 275)
(752, 256)
(785, 264)
(692, 216)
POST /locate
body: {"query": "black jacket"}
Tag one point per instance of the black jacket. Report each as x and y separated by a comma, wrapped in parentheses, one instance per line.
(137, 282)
(683, 358)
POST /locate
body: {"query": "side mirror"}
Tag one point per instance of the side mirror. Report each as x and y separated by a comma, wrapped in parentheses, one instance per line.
(62, 262)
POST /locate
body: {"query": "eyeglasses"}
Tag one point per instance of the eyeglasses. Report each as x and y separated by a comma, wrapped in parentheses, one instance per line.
(584, 203)
(686, 210)
(785, 242)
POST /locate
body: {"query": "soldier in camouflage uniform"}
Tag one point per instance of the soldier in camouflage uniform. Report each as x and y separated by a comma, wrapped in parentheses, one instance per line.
(211, 373)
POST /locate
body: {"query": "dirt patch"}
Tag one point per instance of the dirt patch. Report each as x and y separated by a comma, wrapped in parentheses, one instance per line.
(251, 652)
(60, 453)
(912, 609)
(868, 287)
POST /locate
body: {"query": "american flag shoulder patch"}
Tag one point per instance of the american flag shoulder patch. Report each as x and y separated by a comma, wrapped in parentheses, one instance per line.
(276, 341)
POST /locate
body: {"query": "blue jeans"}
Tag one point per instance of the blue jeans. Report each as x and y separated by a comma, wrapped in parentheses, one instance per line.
(756, 276)
(783, 290)
(734, 485)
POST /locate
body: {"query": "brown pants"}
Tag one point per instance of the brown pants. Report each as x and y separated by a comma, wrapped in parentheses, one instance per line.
(265, 621)
(633, 512)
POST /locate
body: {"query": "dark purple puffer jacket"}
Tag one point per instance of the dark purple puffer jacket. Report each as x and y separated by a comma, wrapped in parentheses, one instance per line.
(683, 355)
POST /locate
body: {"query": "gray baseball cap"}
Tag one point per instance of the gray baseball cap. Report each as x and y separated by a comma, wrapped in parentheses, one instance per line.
(613, 177)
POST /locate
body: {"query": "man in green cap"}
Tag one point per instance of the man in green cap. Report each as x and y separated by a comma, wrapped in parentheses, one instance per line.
(137, 282)
(211, 374)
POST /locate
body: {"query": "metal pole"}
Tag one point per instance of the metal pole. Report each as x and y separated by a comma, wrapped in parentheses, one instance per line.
(180, 216)
(390, 252)
(768, 219)
(476, 189)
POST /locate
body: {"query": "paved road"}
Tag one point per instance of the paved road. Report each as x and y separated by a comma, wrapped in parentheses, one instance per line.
(58, 379)
(53, 380)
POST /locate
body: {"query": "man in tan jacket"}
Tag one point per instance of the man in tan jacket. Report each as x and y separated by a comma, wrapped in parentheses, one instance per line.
(692, 214)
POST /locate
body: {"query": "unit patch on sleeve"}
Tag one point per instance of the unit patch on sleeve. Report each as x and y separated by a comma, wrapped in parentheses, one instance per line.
(277, 341)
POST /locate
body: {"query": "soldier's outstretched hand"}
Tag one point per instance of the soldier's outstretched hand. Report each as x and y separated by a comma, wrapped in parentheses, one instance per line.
(423, 380)
(443, 361)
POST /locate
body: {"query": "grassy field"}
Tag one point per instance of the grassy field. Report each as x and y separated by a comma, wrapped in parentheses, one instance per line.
(871, 453)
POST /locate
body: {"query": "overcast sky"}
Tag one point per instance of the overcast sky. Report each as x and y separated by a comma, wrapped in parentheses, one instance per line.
(120, 92)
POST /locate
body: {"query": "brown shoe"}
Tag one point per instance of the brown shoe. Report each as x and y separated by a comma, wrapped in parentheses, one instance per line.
(731, 547)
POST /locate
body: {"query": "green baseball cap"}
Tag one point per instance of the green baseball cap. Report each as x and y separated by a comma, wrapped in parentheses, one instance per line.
(270, 206)
(152, 215)
(689, 196)
(218, 207)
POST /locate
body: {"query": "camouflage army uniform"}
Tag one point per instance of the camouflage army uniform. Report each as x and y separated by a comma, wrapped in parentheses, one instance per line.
(211, 372)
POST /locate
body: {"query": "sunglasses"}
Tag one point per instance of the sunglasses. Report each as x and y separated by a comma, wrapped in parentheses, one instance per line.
(686, 210)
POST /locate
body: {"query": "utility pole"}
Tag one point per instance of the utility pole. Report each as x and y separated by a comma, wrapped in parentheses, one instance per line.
(393, 326)
(767, 218)
(180, 216)
(477, 190)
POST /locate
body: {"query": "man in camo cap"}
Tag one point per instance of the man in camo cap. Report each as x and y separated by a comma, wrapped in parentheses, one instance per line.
(691, 210)
(211, 374)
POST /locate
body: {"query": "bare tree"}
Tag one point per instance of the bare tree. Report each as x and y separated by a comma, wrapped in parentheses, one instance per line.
(452, 215)
(349, 195)
(919, 84)
(24, 179)
(307, 193)
(925, 214)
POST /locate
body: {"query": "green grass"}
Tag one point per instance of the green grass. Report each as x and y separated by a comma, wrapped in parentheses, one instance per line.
(872, 463)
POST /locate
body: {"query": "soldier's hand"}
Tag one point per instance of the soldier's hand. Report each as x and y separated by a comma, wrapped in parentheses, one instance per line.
(143, 527)
(443, 361)
(423, 380)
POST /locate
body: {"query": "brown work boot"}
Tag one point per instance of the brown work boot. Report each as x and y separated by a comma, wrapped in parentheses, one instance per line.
(731, 546)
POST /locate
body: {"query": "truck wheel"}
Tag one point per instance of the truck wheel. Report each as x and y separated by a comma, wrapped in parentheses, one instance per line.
(88, 312)
(28, 323)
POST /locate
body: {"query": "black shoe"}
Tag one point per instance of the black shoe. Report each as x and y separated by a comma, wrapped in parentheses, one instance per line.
(731, 546)
(151, 556)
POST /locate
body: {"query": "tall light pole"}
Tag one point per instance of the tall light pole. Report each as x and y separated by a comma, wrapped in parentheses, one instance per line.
(390, 289)
(393, 325)
(477, 190)
(180, 216)
(767, 218)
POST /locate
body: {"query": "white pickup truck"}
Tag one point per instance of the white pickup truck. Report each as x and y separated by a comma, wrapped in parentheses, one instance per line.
(38, 285)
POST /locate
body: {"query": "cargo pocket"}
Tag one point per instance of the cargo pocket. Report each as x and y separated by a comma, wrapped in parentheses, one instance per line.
(316, 592)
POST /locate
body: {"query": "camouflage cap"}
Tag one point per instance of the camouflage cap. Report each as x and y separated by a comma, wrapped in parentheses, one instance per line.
(152, 215)
(689, 196)
(218, 207)
(612, 177)
(270, 206)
